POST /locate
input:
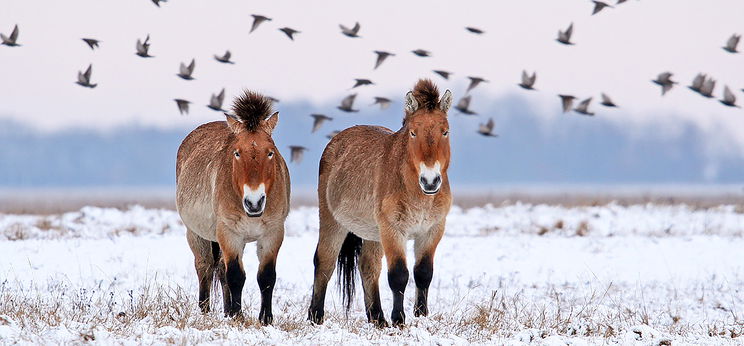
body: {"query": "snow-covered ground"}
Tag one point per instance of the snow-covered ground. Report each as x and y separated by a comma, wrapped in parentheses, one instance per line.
(514, 274)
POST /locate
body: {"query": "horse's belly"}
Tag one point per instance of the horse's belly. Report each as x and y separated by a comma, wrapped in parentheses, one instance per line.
(198, 216)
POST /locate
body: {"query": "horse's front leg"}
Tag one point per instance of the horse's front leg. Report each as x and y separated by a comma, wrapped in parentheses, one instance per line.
(267, 248)
(232, 247)
(394, 245)
(424, 246)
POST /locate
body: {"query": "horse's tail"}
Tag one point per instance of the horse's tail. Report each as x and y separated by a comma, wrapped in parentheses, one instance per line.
(347, 265)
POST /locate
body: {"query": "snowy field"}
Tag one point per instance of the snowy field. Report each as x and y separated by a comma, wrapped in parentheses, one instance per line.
(511, 274)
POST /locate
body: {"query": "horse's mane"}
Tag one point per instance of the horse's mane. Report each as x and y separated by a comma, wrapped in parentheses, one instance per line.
(251, 108)
(427, 94)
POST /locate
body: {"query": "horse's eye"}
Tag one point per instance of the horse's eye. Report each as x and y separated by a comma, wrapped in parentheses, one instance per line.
(413, 134)
(237, 154)
(445, 133)
(271, 154)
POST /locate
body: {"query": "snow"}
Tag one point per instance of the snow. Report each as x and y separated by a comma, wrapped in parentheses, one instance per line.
(511, 274)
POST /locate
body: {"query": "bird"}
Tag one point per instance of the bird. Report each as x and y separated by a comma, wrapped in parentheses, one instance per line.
(487, 129)
(731, 44)
(12, 40)
(384, 102)
(474, 30)
(143, 48)
(422, 53)
(361, 82)
(273, 99)
(183, 106)
(347, 104)
(464, 106)
(599, 6)
(567, 102)
(257, 20)
(84, 78)
(528, 81)
(381, 56)
(225, 59)
(289, 32)
(185, 72)
(215, 102)
(297, 152)
(333, 134)
(665, 81)
(474, 82)
(318, 121)
(565, 36)
(92, 43)
(697, 83)
(353, 32)
(157, 2)
(607, 101)
(583, 107)
(620, 2)
(444, 74)
(729, 99)
(708, 86)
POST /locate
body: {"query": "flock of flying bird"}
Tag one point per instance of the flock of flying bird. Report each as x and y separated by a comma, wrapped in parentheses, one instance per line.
(702, 84)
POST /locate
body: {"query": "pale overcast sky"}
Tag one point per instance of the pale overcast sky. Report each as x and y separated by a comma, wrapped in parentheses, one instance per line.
(617, 51)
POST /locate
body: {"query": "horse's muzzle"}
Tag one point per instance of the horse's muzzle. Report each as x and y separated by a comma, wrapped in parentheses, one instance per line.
(254, 208)
(430, 186)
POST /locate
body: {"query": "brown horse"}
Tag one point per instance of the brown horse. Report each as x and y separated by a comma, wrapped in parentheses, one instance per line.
(377, 189)
(232, 187)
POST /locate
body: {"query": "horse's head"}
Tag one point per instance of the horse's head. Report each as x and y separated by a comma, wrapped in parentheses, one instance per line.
(252, 150)
(428, 134)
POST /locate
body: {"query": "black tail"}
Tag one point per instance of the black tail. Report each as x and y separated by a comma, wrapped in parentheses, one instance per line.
(347, 265)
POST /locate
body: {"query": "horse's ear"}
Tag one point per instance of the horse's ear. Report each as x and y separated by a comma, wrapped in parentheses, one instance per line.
(446, 101)
(233, 123)
(411, 103)
(270, 122)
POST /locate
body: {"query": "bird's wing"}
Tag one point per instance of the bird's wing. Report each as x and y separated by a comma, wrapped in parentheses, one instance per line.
(344, 28)
(88, 72)
(569, 32)
(605, 98)
(348, 101)
(356, 28)
(14, 34)
(464, 102)
(183, 69)
(227, 55)
(532, 79)
(81, 78)
(490, 124)
(192, 65)
(567, 103)
(665, 77)
(728, 96)
(221, 96)
(525, 77)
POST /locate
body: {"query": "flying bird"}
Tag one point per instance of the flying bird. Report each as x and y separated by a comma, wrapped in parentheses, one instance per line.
(528, 81)
(297, 152)
(697, 83)
(607, 101)
(567, 102)
(381, 56)
(257, 20)
(361, 82)
(487, 129)
(599, 6)
(289, 32)
(384, 102)
(729, 99)
(347, 104)
(318, 121)
(422, 53)
(225, 59)
(157, 2)
(332, 134)
(474, 30)
(708, 86)
(273, 99)
(353, 32)
(185, 72)
(215, 102)
(665, 81)
(84, 78)
(12, 40)
(583, 107)
(183, 106)
(143, 48)
(731, 44)
(444, 74)
(92, 43)
(565, 36)
(464, 106)
(474, 82)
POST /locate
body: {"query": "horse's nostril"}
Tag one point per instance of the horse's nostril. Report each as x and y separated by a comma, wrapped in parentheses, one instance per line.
(423, 181)
(437, 180)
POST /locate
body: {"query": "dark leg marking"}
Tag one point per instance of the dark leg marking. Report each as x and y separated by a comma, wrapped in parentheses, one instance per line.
(235, 281)
(397, 279)
(266, 280)
(422, 274)
(317, 305)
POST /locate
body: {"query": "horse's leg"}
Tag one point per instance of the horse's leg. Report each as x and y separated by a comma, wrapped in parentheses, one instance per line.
(330, 239)
(205, 265)
(267, 249)
(232, 254)
(424, 246)
(394, 246)
(370, 264)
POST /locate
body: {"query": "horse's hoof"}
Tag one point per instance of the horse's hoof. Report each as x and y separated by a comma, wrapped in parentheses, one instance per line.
(315, 317)
(266, 319)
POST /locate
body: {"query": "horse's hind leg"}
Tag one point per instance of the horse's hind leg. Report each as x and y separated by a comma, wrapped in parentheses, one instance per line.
(330, 239)
(370, 264)
(424, 247)
(204, 261)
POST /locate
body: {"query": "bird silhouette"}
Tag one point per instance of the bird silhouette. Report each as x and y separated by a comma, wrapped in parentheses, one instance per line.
(444, 74)
(12, 40)
(729, 99)
(361, 82)
(583, 107)
(708, 86)
(474, 30)
(289, 32)
(92, 43)
(528, 81)
(185, 72)
(422, 53)
(318, 120)
(474, 82)
(567, 102)
(215, 102)
(183, 106)
(143, 48)
(157, 2)
(353, 32)
(84, 78)
(296, 154)
(225, 59)
(384, 102)
(333, 134)
(381, 56)
(599, 6)
(697, 83)
(257, 20)
(347, 104)
(731, 44)
(565, 36)
(463, 106)
(487, 129)
(665, 81)
(607, 101)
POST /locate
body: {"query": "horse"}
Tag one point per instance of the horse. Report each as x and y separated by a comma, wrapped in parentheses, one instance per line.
(377, 189)
(232, 187)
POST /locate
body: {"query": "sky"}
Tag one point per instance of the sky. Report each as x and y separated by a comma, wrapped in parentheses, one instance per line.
(617, 51)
